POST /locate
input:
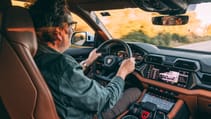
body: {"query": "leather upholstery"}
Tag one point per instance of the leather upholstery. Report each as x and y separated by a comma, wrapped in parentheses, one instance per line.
(19, 28)
(23, 90)
(5, 4)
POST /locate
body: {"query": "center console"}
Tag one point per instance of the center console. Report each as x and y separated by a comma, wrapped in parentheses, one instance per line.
(171, 70)
(157, 105)
(158, 102)
(173, 76)
(163, 104)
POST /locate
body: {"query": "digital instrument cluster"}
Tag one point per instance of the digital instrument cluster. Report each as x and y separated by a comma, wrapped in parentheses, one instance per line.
(121, 53)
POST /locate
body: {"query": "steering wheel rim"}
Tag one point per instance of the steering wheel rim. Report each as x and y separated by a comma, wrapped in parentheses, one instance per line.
(114, 60)
(125, 45)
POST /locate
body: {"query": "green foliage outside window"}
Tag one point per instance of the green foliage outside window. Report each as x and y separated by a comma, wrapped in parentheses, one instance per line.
(162, 39)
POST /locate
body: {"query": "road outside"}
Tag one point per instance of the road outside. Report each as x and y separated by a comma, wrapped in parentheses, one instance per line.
(200, 46)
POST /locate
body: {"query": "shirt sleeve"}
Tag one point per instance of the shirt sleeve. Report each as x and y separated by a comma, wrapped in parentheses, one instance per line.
(86, 94)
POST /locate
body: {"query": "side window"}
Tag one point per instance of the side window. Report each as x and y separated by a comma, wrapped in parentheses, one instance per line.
(81, 24)
(84, 34)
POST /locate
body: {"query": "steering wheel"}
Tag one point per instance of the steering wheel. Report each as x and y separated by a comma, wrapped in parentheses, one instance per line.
(110, 63)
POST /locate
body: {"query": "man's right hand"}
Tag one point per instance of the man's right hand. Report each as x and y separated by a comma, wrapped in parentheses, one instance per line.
(127, 67)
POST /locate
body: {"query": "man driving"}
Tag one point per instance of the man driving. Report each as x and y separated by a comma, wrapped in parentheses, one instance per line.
(75, 95)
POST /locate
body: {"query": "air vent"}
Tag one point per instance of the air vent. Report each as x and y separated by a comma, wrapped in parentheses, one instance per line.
(154, 59)
(187, 64)
(206, 79)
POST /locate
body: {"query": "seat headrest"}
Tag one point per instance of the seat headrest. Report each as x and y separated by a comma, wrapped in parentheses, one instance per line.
(19, 28)
(5, 4)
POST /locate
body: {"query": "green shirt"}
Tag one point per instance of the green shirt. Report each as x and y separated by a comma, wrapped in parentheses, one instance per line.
(75, 95)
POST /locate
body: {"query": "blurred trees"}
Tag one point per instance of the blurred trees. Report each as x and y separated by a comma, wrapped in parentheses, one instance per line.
(161, 39)
(164, 38)
(209, 29)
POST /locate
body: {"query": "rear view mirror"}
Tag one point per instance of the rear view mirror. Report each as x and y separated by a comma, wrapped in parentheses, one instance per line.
(170, 20)
(82, 39)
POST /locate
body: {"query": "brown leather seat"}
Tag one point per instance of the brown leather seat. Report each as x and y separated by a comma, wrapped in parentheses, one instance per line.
(23, 90)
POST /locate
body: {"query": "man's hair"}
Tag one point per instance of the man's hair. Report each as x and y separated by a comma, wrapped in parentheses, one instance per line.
(49, 13)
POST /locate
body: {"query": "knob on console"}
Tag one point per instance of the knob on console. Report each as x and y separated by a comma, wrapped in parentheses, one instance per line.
(144, 110)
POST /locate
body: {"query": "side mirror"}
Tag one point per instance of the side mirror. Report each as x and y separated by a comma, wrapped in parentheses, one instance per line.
(82, 39)
(170, 20)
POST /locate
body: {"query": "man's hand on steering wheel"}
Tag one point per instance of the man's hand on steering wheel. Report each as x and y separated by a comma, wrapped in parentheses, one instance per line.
(127, 67)
(92, 57)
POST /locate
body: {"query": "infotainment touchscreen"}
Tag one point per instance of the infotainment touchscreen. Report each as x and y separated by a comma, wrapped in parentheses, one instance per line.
(171, 76)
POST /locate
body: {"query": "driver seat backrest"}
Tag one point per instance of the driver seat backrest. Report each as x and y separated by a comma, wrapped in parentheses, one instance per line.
(23, 90)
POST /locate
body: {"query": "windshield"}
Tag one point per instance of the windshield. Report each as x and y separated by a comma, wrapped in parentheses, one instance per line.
(135, 25)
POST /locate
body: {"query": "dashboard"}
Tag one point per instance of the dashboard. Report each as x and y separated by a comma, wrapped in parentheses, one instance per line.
(181, 68)
(171, 75)
(166, 75)
(177, 67)
(175, 74)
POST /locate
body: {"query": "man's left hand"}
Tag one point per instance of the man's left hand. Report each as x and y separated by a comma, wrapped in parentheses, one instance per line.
(92, 57)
